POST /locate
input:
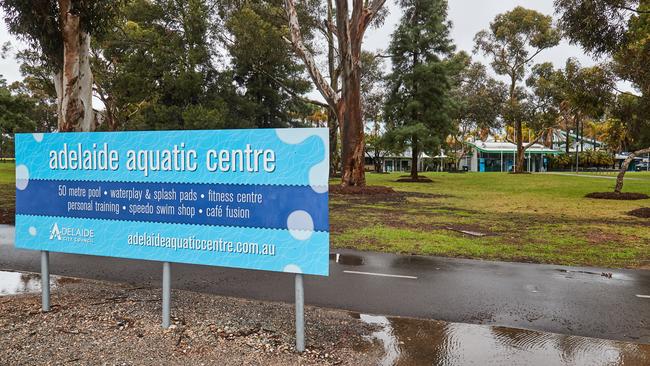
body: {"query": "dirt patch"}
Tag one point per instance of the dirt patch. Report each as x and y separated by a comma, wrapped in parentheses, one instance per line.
(625, 196)
(94, 322)
(643, 212)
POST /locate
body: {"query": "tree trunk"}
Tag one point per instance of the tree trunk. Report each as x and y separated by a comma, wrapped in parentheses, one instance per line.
(626, 164)
(521, 158)
(332, 122)
(350, 35)
(378, 165)
(414, 158)
(352, 149)
(74, 84)
(334, 132)
(577, 156)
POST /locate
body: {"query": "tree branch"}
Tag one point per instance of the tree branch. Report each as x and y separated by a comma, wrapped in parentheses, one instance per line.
(536, 140)
(630, 9)
(296, 40)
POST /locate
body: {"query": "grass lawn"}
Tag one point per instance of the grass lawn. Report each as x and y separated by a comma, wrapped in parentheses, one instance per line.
(529, 218)
(539, 218)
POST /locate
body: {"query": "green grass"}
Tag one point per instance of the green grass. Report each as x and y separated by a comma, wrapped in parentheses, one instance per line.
(531, 218)
(528, 218)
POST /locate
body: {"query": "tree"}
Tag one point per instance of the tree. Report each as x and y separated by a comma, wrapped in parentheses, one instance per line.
(418, 107)
(625, 165)
(512, 42)
(574, 93)
(349, 31)
(15, 111)
(156, 71)
(263, 64)
(60, 30)
(479, 100)
(616, 28)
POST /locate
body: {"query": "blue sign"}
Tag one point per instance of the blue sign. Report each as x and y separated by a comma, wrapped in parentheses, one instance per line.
(254, 199)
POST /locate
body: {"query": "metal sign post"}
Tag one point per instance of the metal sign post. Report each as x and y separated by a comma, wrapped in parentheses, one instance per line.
(45, 280)
(300, 314)
(166, 295)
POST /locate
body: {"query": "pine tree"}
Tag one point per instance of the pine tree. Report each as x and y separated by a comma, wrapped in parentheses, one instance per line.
(419, 102)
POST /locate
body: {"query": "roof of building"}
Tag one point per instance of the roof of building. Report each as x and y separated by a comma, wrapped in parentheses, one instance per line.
(508, 147)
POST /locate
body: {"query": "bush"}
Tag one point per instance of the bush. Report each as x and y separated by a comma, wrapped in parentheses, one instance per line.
(587, 159)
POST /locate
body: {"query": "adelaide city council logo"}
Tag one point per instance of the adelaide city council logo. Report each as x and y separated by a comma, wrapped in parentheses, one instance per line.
(72, 234)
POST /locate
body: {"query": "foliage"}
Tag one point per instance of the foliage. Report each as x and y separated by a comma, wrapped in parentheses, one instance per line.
(157, 71)
(478, 103)
(264, 66)
(617, 28)
(574, 92)
(479, 99)
(628, 127)
(587, 159)
(16, 115)
(514, 39)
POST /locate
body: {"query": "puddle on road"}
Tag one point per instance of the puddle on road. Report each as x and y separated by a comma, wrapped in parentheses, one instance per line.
(13, 283)
(409, 342)
(346, 259)
(568, 273)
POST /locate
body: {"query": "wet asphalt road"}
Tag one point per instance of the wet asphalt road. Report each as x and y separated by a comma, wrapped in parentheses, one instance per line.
(550, 298)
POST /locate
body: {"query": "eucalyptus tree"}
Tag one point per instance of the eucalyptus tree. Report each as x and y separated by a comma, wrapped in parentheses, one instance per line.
(511, 43)
(60, 30)
(351, 25)
(619, 29)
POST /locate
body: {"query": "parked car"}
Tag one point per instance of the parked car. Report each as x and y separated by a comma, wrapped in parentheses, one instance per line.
(642, 167)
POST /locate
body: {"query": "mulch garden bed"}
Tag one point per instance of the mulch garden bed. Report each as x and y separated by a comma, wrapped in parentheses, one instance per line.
(356, 190)
(408, 179)
(643, 212)
(625, 196)
(7, 216)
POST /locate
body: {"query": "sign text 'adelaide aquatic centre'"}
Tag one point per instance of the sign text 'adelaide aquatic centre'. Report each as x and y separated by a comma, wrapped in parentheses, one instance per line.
(254, 199)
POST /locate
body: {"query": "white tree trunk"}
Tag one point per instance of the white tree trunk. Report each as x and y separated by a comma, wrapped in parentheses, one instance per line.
(74, 93)
(86, 84)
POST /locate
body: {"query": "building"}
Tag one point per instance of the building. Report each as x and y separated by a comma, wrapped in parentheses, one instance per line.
(575, 143)
(491, 156)
(400, 162)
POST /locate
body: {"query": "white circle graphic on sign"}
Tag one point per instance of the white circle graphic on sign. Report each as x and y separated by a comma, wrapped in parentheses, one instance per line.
(38, 137)
(22, 177)
(32, 231)
(300, 225)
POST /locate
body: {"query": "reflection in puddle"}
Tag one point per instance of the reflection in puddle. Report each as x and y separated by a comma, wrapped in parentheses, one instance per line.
(421, 342)
(12, 283)
(346, 259)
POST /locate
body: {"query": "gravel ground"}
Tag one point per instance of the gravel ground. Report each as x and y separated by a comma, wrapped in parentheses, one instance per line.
(94, 322)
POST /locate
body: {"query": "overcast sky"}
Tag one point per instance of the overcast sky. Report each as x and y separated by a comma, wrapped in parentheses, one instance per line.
(471, 16)
(468, 17)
